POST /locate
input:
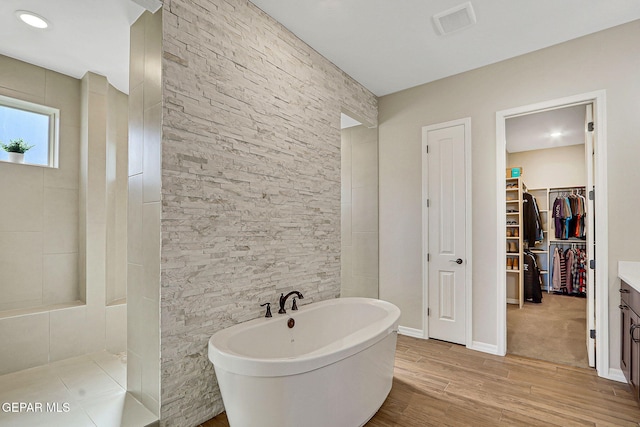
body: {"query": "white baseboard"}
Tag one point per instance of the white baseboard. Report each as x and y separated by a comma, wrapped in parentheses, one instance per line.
(513, 301)
(410, 332)
(616, 374)
(484, 347)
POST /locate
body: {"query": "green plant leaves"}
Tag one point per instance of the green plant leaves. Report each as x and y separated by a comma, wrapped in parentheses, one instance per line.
(16, 146)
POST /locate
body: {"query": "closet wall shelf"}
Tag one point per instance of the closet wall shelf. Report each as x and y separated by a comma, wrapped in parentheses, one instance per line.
(513, 196)
(565, 189)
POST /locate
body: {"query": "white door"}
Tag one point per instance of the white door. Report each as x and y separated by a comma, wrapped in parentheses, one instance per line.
(445, 199)
(590, 224)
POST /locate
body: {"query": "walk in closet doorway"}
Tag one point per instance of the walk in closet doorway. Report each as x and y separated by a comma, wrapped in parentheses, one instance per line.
(547, 230)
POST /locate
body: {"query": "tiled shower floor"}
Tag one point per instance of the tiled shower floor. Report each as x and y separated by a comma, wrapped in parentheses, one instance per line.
(85, 391)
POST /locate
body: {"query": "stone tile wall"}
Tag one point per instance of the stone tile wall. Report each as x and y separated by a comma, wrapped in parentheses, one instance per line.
(250, 182)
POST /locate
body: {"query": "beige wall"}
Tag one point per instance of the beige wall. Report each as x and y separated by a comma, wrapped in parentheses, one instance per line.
(551, 167)
(143, 240)
(70, 318)
(359, 224)
(608, 60)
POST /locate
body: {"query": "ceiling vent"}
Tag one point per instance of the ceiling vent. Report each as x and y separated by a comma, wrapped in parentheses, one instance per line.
(454, 19)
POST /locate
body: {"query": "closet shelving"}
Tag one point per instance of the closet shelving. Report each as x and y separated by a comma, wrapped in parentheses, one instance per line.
(545, 198)
(515, 279)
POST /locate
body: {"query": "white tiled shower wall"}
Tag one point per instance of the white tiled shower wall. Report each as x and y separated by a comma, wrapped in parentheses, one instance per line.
(52, 234)
(359, 226)
(143, 252)
(39, 213)
(37, 339)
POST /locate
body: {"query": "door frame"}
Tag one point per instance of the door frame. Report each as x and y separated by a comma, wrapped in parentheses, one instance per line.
(598, 98)
(466, 122)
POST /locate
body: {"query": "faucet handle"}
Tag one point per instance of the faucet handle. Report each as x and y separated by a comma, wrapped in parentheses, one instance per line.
(294, 306)
(268, 304)
(282, 300)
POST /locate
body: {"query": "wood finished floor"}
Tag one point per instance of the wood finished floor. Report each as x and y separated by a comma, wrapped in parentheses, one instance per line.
(442, 384)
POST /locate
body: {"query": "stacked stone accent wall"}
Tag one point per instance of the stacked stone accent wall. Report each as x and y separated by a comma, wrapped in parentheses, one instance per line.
(250, 182)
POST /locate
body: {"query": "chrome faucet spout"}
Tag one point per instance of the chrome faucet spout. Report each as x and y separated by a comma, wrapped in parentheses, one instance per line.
(283, 300)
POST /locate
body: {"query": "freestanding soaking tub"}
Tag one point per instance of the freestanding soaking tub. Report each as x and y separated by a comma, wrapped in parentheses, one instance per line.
(334, 367)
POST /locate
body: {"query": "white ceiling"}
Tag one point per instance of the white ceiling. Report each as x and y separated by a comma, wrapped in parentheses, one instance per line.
(533, 131)
(390, 45)
(347, 121)
(85, 35)
(386, 45)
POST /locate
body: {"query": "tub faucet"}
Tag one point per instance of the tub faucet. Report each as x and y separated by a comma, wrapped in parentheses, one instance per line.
(283, 300)
(268, 304)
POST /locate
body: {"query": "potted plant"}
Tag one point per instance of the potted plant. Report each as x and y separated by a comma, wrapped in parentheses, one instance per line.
(16, 149)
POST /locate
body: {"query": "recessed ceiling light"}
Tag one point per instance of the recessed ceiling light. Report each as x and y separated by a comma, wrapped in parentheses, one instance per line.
(32, 19)
(555, 134)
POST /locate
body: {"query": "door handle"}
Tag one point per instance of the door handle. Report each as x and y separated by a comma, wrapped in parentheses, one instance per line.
(457, 261)
(631, 331)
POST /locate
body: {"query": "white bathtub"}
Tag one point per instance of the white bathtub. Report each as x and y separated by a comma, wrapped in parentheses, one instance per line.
(333, 368)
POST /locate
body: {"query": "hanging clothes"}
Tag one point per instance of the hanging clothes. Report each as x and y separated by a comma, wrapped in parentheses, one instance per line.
(557, 213)
(568, 265)
(580, 272)
(582, 213)
(576, 224)
(532, 224)
(532, 278)
(559, 273)
(577, 201)
(569, 274)
(568, 215)
(569, 260)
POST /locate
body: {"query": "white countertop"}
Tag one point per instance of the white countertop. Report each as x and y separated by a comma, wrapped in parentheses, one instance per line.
(629, 271)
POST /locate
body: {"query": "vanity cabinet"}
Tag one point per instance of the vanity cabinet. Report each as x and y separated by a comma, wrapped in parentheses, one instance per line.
(630, 336)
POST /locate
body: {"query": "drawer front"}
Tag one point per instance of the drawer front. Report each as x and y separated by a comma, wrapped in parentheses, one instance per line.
(630, 297)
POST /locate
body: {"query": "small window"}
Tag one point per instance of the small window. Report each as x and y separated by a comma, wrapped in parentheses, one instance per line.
(36, 125)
